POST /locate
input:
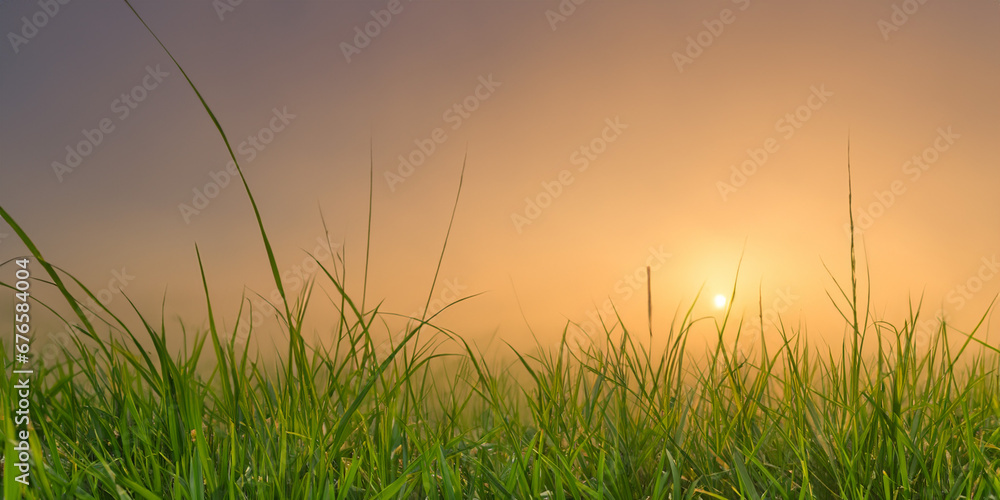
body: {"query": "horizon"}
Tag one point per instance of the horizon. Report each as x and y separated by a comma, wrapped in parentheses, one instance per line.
(600, 140)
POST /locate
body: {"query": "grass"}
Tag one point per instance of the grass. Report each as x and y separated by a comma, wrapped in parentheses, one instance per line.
(878, 419)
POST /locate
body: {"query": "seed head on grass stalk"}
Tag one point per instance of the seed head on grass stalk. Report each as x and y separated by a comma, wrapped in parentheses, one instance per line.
(607, 423)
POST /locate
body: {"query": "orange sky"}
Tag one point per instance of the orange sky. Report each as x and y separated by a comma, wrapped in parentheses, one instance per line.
(601, 138)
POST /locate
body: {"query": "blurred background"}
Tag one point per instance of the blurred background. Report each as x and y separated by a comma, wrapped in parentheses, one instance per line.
(598, 137)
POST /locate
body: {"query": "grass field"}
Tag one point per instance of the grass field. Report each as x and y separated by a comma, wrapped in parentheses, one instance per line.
(608, 421)
(877, 419)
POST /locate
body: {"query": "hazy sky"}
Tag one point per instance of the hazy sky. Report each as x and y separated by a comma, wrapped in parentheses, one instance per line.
(601, 137)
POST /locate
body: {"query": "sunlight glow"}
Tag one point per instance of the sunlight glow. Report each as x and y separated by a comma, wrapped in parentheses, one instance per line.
(720, 301)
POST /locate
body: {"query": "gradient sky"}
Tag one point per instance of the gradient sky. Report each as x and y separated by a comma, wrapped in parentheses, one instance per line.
(624, 121)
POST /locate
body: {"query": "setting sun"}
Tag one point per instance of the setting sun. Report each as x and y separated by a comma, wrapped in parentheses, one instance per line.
(467, 249)
(720, 301)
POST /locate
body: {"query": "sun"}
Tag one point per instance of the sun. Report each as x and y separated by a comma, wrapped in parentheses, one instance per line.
(720, 301)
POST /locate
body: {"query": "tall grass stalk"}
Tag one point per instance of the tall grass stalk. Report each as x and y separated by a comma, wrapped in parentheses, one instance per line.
(614, 419)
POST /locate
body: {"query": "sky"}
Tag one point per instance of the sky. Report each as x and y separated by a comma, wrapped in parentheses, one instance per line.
(598, 138)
